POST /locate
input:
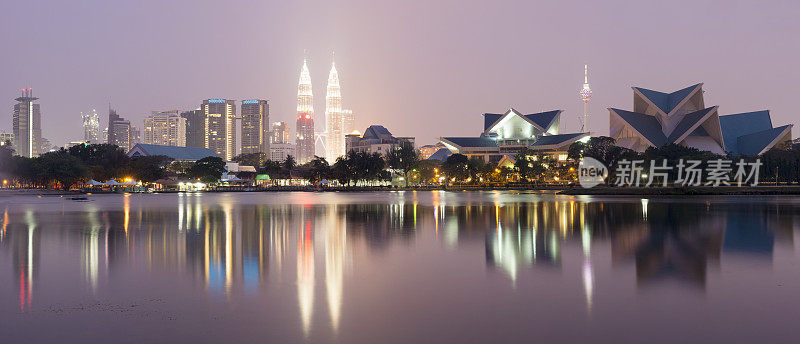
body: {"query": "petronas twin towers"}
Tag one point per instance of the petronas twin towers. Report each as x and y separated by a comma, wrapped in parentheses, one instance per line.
(337, 121)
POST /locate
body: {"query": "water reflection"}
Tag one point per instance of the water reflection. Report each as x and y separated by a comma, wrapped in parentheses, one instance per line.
(231, 248)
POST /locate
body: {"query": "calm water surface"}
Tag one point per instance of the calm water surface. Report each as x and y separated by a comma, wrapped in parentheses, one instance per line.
(399, 267)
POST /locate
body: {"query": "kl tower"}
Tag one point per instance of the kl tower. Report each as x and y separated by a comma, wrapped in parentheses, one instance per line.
(586, 94)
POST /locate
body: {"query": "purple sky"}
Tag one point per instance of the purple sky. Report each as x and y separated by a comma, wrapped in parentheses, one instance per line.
(421, 68)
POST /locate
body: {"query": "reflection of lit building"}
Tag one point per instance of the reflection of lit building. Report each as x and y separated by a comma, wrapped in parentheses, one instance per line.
(305, 273)
(335, 245)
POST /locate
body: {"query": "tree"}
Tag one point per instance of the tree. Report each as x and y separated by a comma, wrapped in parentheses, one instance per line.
(105, 161)
(530, 165)
(341, 170)
(404, 158)
(208, 169)
(272, 168)
(62, 167)
(250, 159)
(149, 168)
(426, 171)
(318, 169)
(456, 167)
(289, 164)
(6, 154)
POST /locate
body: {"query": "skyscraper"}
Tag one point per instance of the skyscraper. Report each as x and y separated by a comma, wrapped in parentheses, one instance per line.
(166, 128)
(280, 132)
(91, 126)
(195, 128)
(27, 124)
(334, 122)
(586, 94)
(120, 132)
(220, 125)
(255, 126)
(305, 117)
(348, 122)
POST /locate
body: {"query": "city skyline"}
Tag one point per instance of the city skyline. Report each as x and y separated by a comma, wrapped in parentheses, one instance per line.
(478, 78)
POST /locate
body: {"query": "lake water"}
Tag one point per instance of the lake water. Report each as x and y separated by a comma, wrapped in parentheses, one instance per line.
(399, 267)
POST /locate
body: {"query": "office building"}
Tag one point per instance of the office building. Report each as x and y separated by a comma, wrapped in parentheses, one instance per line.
(682, 118)
(304, 147)
(279, 151)
(255, 126)
(195, 128)
(348, 122)
(220, 125)
(511, 132)
(279, 133)
(27, 124)
(166, 128)
(91, 126)
(120, 132)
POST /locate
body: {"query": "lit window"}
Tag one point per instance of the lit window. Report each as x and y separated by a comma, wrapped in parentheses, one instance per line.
(562, 157)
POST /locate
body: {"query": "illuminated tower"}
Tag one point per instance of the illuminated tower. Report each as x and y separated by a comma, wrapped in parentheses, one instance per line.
(586, 94)
(255, 126)
(91, 127)
(333, 116)
(27, 124)
(305, 117)
(220, 120)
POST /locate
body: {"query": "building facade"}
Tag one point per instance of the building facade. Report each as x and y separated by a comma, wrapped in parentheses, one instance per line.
(255, 126)
(376, 139)
(279, 133)
(91, 126)
(511, 132)
(334, 120)
(6, 138)
(279, 151)
(682, 118)
(195, 128)
(304, 142)
(120, 132)
(165, 128)
(348, 122)
(220, 125)
(27, 125)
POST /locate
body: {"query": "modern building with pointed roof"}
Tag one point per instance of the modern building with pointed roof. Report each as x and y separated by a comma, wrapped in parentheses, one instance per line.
(510, 132)
(682, 118)
(376, 139)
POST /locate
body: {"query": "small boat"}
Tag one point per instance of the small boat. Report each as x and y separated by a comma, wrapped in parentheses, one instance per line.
(79, 198)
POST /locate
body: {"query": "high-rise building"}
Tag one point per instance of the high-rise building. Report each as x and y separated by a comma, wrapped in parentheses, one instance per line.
(195, 128)
(334, 122)
(27, 124)
(279, 151)
(348, 122)
(279, 133)
(120, 132)
(305, 117)
(255, 126)
(586, 94)
(91, 126)
(166, 128)
(220, 125)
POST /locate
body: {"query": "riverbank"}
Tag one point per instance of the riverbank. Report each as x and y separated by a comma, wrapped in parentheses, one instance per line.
(685, 191)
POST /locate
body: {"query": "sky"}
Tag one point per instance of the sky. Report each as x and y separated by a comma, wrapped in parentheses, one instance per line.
(420, 68)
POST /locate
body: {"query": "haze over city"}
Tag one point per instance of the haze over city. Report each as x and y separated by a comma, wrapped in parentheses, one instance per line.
(423, 69)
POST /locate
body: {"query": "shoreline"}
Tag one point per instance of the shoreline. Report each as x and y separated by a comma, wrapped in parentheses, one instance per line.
(561, 190)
